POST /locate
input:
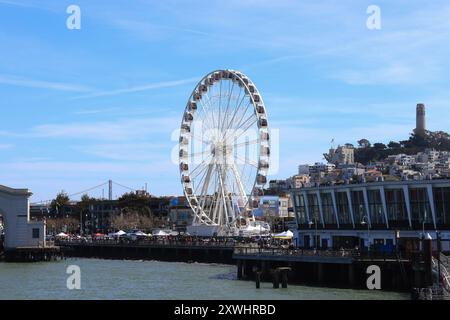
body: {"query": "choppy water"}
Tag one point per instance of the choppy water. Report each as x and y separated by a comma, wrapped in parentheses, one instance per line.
(151, 280)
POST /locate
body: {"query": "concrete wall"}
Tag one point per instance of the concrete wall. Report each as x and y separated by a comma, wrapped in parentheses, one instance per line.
(14, 207)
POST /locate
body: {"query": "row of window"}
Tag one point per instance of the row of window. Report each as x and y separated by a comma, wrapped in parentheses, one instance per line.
(362, 207)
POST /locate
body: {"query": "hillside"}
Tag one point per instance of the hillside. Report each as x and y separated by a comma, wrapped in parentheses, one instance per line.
(366, 152)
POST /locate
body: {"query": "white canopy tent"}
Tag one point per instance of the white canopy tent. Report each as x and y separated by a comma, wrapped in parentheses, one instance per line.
(284, 235)
(117, 234)
(140, 234)
(62, 235)
(161, 233)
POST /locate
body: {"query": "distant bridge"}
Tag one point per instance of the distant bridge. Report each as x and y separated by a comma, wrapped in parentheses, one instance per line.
(109, 184)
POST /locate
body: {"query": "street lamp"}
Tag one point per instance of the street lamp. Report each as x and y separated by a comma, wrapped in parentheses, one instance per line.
(364, 221)
(315, 233)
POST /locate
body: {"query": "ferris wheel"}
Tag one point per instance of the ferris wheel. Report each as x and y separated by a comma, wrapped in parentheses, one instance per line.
(224, 150)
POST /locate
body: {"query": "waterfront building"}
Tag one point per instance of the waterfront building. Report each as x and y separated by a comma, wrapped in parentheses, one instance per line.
(100, 215)
(278, 185)
(20, 231)
(298, 181)
(341, 155)
(276, 210)
(268, 208)
(283, 207)
(381, 213)
(180, 214)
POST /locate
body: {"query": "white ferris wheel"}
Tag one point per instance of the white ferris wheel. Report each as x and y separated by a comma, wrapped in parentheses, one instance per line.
(224, 151)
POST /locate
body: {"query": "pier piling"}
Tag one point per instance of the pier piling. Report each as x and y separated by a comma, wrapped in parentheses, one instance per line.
(258, 279)
(276, 279)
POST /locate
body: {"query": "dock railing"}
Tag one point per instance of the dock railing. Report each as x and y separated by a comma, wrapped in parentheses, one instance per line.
(145, 242)
(277, 251)
(254, 250)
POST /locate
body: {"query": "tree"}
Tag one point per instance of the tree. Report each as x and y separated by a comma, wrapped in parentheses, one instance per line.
(437, 140)
(58, 204)
(135, 212)
(394, 145)
(379, 146)
(56, 225)
(85, 213)
(364, 143)
(132, 220)
(135, 202)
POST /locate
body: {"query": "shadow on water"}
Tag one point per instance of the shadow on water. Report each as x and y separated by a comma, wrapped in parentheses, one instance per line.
(229, 275)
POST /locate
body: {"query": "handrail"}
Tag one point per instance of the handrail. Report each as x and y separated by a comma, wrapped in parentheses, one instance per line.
(142, 242)
(277, 251)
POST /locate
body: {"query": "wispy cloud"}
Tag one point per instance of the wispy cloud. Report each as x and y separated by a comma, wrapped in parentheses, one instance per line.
(154, 30)
(145, 87)
(17, 4)
(40, 84)
(137, 152)
(123, 129)
(6, 146)
(94, 111)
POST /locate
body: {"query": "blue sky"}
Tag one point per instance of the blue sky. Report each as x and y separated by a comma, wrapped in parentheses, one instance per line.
(79, 107)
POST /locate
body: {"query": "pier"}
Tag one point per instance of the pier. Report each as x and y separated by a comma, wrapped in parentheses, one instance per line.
(32, 254)
(349, 269)
(340, 269)
(174, 251)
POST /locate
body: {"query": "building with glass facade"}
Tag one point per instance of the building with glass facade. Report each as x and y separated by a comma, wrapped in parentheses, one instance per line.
(385, 213)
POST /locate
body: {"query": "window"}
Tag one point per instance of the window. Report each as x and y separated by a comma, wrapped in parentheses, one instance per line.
(396, 208)
(35, 233)
(314, 212)
(328, 209)
(300, 209)
(442, 202)
(359, 210)
(375, 207)
(343, 209)
(378, 242)
(420, 207)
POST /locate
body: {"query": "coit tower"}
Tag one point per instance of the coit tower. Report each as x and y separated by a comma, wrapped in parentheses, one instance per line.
(420, 119)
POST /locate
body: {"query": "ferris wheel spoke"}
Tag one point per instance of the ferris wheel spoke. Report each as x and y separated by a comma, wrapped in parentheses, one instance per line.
(247, 161)
(207, 112)
(249, 125)
(205, 185)
(219, 105)
(228, 106)
(198, 138)
(200, 165)
(234, 114)
(242, 124)
(212, 111)
(201, 153)
(213, 198)
(246, 143)
(238, 181)
(224, 198)
(243, 111)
